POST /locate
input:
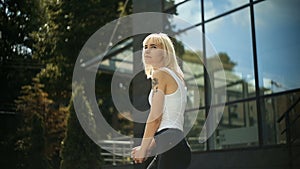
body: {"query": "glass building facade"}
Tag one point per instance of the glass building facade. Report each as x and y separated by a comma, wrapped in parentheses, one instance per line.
(258, 44)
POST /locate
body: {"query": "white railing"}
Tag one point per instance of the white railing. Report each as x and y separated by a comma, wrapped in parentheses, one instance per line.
(116, 152)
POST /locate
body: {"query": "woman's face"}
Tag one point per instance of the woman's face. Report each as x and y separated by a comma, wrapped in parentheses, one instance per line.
(153, 53)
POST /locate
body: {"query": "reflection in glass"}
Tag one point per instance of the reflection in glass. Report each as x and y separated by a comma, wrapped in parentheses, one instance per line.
(195, 82)
(273, 108)
(278, 43)
(214, 8)
(193, 135)
(231, 37)
(188, 12)
(192, 62)
(121, 62)
(192, 65)
(237, 128)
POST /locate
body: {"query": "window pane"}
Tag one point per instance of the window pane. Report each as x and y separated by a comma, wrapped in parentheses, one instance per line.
(231, 38)
(214, 8)
(193, 73)
(193, 135)
(189, 12)
(273, 108)
(122, 61)
(237, 128)
(190, 52)
(278, 31)
(192, 65)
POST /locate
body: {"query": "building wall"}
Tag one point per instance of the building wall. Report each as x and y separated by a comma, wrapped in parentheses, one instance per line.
(256, 158)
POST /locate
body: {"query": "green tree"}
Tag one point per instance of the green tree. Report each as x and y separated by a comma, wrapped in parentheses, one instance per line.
(45, 37)
(37, 158)
(18, 19)
(34, 101)
(78, 150)
(17, 67)
(56, 120)
(68, 26)
(30, 143)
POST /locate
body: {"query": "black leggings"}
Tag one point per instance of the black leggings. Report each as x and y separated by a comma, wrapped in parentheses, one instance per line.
(179, 156)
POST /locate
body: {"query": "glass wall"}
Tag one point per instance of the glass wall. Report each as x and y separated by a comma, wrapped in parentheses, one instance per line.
(277, 28)
(192, 15)
(273, 108)
(238, 127)
(214, 8)
(258, 93)
(231, 37)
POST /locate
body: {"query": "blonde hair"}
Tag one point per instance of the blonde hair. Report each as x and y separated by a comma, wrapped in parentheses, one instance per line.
(170, 60)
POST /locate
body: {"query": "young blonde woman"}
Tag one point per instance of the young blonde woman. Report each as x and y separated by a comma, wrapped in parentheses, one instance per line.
(163, 135)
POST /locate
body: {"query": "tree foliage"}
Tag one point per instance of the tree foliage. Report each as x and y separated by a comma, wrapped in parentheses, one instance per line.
(42, 39)
(37, 158)
(18, 19)
(31, 145)
(78, 150)
(68, 26)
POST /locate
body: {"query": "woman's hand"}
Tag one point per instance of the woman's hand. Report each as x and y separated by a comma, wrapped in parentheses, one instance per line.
(138, 154)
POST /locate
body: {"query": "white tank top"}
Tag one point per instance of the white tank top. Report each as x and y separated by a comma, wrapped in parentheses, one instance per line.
(174, 105)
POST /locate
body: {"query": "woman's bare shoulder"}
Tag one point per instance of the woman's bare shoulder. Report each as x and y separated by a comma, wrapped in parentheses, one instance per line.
(160, 74)
(163, 76)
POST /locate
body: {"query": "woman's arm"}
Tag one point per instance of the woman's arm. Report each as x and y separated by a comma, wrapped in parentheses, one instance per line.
(155, 115)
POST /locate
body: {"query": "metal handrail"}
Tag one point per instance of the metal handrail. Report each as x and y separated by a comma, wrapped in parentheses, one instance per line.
(288, 111)
(287, 130)
(117, 150)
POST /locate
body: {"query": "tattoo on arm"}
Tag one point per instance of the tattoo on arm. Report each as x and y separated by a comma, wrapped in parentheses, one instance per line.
(155, 84)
